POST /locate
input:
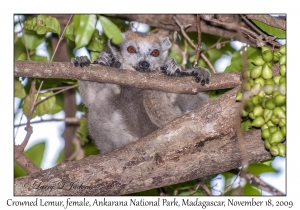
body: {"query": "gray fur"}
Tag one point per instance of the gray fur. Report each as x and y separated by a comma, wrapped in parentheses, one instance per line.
(118, 115)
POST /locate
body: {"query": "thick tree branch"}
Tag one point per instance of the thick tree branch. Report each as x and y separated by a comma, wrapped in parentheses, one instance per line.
(267, 19)
(165, 21)
(198, 144)
(97, 73)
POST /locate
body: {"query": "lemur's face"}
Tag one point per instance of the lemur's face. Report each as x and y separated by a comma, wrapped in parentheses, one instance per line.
(142, 52)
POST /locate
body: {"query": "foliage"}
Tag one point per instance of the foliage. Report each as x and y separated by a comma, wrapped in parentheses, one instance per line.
(82, 32)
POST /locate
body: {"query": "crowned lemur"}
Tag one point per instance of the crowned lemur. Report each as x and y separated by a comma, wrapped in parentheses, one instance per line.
(118, 115)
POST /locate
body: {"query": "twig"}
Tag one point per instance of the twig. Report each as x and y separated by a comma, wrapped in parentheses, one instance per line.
(67, 88)
(204, 187)
(70, 120)
(256, 181)
(60, 38)
(199, 47)
(230, 186)
(218, 45)
(182, 29)
(208, 63)
(267, 38)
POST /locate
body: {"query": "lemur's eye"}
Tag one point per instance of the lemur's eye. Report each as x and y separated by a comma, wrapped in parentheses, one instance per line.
(131, 49)
(155, 53)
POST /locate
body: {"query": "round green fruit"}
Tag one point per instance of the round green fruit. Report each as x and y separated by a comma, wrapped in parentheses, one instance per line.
(258, 122)
(268, 89)
(270, 104)
(265, 133)
(248, 106)
(239, 96)
(265, 48)
(244, 113)
(276, 137)
(258, 110)
(282, 49)
(282, 70)
(274, 150)
(267, 72)
(282, 122)
(279, 112)
(282, 60)
(260, 80)
(276, 79)
(256, 100)
(246, 74)
(267, 144)
(246, 85)
(282, 149)
(270, 82)
(267, 55)
(283, 130)
(258, 61)
(272, 129)
(267, 114)
(265, 126)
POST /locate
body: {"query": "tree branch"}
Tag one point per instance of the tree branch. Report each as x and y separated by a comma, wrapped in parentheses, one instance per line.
(267, 19)
(98, 73)
(198, 144)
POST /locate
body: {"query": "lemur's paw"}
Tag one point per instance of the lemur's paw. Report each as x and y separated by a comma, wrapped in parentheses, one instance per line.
(171, 68)
(104, 59)
(81, 61)
(201, 74)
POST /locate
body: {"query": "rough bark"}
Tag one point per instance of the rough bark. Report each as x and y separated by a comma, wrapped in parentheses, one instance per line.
(97, 73)
(201, 143)
(267, 19)
(166, 22)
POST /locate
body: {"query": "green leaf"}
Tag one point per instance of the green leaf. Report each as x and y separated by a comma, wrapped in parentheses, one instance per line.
(268, 162)
(83, 132)
(259, 168)
(70, 81)
(250, 190)
(32, 39)
(237, 60)
(19, 90)
(19, 49)
(38, 58)
(273, 31)
(35, 154)
(90, 149)
(22, 57)
(69, 32)
(245, 125)
(55, 109)
(44, 107)
(94, 56)
(84, 27)
(97, 43)
(43, 24)
(111, 30)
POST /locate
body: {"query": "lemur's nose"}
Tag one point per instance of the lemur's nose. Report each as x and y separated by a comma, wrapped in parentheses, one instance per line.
(144, 65)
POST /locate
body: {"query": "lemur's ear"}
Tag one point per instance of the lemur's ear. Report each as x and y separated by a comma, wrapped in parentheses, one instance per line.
(166, 43)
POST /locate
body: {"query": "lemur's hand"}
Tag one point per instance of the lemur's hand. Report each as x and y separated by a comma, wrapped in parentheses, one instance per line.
(201, 74)
(81, 61)
(173, 69)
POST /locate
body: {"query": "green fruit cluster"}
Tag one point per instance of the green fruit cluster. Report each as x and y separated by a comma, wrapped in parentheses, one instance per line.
(267, 105)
